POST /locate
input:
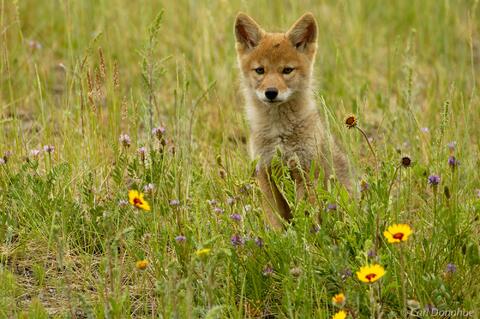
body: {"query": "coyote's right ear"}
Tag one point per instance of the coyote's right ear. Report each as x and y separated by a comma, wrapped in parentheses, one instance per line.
(247, 31)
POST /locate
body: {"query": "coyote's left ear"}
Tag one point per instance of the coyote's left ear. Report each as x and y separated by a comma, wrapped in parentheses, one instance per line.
(303, 34)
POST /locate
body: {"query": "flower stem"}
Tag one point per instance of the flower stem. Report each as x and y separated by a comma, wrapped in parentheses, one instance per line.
(404, 287)
(368, 142)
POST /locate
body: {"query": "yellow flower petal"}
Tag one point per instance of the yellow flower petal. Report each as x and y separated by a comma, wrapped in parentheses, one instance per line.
(136, 199)
(370, 273)
(202, 252)
(141, 264)
(397, 233)
(338, 299)
(340, 315)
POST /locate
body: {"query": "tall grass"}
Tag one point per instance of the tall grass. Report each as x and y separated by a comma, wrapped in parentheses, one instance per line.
(78, 74)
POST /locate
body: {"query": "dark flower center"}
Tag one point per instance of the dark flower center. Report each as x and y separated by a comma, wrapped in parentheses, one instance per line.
(137, 201)
(398, 236)
(406, 161)
(370, 276)
(350, 121)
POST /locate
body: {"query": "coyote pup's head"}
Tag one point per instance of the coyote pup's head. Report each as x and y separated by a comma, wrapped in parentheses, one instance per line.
(276, 67)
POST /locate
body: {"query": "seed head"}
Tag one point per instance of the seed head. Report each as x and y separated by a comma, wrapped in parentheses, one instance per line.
(406, 161)
(351, 121)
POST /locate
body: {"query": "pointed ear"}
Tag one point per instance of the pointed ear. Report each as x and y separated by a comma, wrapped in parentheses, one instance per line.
(303, 34)
(247, 32)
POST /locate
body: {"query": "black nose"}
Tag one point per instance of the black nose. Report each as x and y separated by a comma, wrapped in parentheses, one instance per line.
(271, 93)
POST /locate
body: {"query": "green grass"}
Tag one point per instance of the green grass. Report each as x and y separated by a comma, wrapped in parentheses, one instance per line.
(77, 74)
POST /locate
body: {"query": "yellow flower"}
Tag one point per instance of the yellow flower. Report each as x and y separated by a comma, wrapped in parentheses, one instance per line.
(338, 299)
(397, 233)
(136, 199)
(141, 264)
(351, 121)
(202, 252)
(340, 315)
(370, 273)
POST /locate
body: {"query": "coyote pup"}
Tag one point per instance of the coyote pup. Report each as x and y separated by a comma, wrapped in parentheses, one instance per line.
(276, 73)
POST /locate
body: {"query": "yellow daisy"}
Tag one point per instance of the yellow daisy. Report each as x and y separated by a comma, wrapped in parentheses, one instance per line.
(202, 252)
(338, 299)
(370, 273)
(141, 264)
(136, 199)
(340, 315)
(397, 233)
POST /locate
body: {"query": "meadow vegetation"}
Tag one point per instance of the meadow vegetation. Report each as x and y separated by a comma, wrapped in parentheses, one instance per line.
(98, 98)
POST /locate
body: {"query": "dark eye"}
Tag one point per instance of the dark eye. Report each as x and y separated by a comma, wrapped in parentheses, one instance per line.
(287, 70)
(260, 70)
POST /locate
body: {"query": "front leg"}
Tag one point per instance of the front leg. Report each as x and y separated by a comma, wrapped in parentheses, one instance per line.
(303, 185)
(275, 206)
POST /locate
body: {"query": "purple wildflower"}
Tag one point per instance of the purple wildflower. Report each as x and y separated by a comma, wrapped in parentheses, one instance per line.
(425, 129)
(236, 240)
(211, 202)
(149, 188)
(6, 156)
(434, 180)
(158, 132)
(451, 146)
(49, 149)
(346, 273)
(142, 151)
(125, 140)
(259, 242)
(180, 238)
(122, 203)
(268, 271)
(35, 153)
(2, 161)
(314, 229)
(453, 162)
(236, 217)
(230, 201)
(295, 271)
(218, 210)
(372, 253)
(34, 45)
(451, 268)
(332, 207)
(364, 186)
(174, 202)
